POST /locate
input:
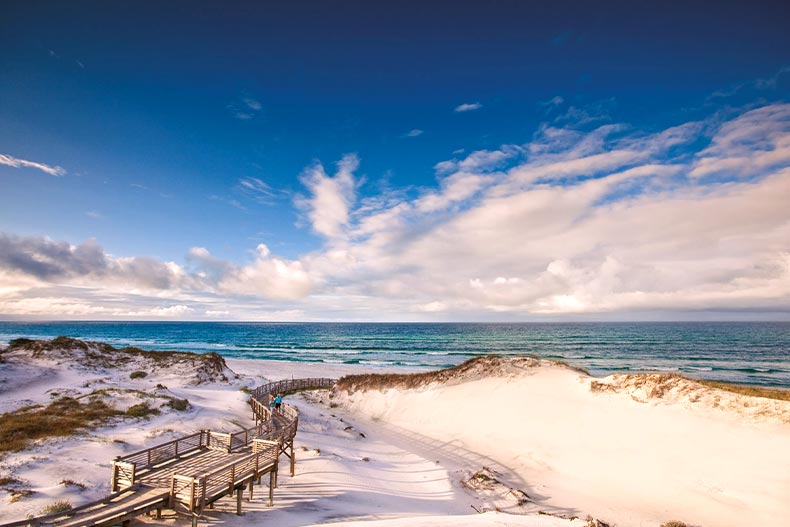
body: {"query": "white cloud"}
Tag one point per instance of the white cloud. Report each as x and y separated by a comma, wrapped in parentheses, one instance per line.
(245, 108)
(414, 133)
(748, 145)
(468, 107)
(268, 276)
(252, 104)
(607, 221)
(19, 163)
(331, 197)
(555, 101)
(257, 190)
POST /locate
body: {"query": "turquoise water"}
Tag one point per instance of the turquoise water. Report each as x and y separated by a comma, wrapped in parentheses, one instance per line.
(744, 352)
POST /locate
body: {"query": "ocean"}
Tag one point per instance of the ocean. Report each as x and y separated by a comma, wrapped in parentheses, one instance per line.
(756, 353)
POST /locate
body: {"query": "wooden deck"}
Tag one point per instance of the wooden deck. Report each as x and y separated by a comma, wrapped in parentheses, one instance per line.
(190, 473)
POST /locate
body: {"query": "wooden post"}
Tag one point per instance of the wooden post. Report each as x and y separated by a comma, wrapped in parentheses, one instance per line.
(194, 520)
(293, 459)
(172, 492)
(159, 513)
(238, 501)
(272, 483)
(249, 487)
(203, 486)
(114, 481)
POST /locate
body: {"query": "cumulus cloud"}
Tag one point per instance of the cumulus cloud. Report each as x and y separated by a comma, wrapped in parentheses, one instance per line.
(610, 220)
(57, 261)
(268, 276)
(330, 198)
(468, 107)
(19, 163)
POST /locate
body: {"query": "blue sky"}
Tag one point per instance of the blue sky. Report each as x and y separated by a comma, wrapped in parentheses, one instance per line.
(169, 142)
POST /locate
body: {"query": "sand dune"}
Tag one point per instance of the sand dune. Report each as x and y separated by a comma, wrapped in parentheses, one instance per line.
(519, 436)
(636, 450)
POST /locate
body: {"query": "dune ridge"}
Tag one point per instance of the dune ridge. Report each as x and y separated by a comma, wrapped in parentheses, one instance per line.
(632, 449)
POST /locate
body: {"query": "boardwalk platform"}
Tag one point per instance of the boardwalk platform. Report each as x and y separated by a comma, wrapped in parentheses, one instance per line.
(190, 473)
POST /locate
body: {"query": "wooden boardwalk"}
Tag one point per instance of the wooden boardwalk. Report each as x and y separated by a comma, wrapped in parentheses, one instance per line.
(190, 473)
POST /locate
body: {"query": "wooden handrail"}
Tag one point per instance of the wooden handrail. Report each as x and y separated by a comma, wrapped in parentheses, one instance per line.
(267, 441)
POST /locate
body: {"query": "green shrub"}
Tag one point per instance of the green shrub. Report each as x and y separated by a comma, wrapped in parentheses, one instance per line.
(18, 343)
(141, 410)
(178, 404)
(139, 374)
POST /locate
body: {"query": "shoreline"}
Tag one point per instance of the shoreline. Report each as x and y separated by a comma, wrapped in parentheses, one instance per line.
(748, 353)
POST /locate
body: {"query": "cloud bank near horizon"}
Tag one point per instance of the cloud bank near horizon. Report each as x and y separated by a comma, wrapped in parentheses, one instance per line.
(583, 219)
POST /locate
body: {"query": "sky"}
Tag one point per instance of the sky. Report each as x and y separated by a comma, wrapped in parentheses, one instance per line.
(395, 161)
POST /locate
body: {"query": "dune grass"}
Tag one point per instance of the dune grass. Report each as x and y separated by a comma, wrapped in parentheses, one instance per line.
(62, 417)
(753, 391)
(58, 506)
(482, 365)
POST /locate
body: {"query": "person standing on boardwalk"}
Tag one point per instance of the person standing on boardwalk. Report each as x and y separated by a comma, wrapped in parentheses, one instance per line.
(271, 405)
(278, 401)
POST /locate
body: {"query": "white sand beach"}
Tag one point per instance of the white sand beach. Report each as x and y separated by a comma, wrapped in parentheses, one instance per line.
(553, 443)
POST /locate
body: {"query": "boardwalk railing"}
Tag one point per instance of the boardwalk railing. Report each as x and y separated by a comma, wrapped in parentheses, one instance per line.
(127, 469)
(271, 436)
(260, 397)
(192, 494)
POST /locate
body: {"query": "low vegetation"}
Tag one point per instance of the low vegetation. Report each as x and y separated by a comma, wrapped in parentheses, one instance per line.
(207, 367)
(177, 404)
(69, 415)
(139, 374)
(20, 494)
(477, 366)
(673, 523)
(72, 483)
(660, 384)
(142, 410)
(62, 417)
(58, 506)
(753, 391)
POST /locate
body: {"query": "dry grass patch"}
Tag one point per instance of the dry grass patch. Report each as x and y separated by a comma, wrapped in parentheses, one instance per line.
(673, 523)
(58, 506)
(72, 483)
(658, 385)
(752, 391)
(472, 368)
(62, 417)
